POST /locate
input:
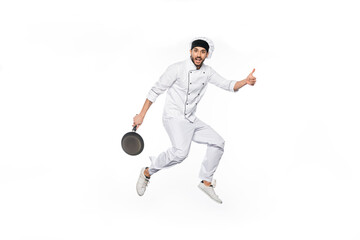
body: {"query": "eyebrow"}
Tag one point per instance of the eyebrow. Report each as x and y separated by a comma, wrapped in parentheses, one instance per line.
(199, 49)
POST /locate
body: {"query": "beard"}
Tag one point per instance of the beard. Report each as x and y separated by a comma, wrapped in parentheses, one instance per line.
(199, 58)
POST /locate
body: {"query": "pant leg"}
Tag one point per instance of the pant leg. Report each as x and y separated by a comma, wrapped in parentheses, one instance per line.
(180, 132)
(204, 134)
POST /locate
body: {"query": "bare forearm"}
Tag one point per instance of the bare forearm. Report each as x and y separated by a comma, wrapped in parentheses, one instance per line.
(239, 84)
(138, 119)
(145, 108)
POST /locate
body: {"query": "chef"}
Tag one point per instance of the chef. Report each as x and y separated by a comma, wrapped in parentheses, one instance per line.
(186, 83)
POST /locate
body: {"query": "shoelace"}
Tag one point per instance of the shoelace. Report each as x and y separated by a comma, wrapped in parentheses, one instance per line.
(146, 182)
(213, 185)
(213, 192)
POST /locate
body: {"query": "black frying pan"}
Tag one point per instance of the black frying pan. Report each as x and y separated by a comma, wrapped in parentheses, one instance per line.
(132, 143)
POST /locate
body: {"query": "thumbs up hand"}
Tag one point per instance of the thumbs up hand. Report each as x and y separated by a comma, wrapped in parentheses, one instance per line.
(251, 80)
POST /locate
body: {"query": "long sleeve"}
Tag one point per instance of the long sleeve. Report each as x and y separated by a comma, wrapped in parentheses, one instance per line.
(221, 82)
(165, 81)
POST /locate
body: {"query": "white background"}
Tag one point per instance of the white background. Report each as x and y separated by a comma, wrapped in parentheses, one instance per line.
(74, 73)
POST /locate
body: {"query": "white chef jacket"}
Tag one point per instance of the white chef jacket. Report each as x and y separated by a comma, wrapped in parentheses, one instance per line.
(186, 86)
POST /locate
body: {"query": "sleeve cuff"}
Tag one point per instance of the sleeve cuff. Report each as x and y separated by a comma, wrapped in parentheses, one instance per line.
(152, 96)
(232, 84)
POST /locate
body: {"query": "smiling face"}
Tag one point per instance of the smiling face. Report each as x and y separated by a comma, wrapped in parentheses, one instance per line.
(198, 55)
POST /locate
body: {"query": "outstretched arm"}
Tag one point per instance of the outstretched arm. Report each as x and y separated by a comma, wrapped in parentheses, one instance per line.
(251, 80)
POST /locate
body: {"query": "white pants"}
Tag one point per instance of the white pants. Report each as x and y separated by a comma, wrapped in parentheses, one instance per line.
(181, 133)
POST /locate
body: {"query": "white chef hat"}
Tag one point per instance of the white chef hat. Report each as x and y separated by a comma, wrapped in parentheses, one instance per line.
(211, 44)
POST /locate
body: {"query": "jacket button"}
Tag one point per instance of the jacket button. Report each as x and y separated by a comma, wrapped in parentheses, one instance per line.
(187, 104)
(190, 83)
(203, 72)
(203, 83)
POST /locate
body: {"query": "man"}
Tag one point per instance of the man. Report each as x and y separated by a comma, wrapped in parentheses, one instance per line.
(186, 82)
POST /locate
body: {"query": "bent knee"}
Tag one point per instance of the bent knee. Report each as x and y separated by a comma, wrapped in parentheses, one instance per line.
(181, 154)
(220, 143)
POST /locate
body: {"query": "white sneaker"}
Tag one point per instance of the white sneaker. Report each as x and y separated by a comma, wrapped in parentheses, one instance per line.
(210, 191)
(142, 182)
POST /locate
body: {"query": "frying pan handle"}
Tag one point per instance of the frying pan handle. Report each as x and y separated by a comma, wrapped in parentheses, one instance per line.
(134, 129)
